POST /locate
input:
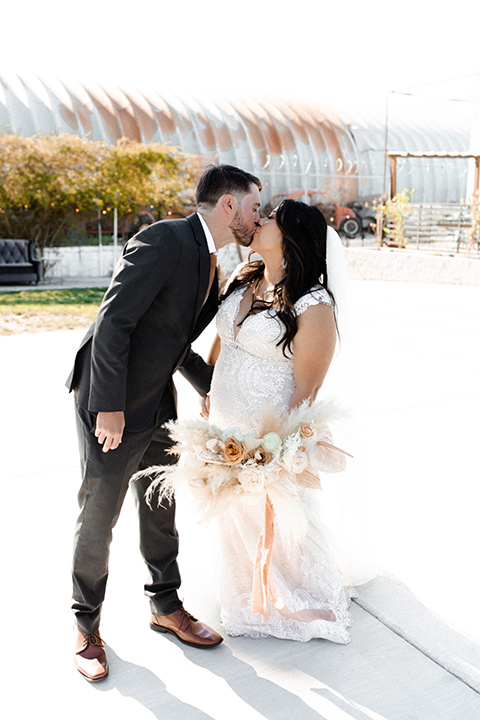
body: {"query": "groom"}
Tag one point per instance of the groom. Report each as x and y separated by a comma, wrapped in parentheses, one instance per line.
(163, 293)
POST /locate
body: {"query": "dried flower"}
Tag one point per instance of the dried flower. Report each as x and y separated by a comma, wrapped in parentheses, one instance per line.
(215, 445)
(235, 451)
(221, 466)
(306, 431)
(234, 432)
(261, 456)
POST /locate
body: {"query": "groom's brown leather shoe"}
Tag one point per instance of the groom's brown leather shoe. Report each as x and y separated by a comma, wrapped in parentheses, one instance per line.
(90, 657)
(187, 629)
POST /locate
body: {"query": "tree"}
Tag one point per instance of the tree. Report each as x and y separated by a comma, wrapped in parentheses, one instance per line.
(51, 183)
(133, 176)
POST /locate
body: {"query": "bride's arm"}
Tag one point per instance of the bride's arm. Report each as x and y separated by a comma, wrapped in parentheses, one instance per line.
(214, 350)
(214, 353)
(212, 359)
(313, 349)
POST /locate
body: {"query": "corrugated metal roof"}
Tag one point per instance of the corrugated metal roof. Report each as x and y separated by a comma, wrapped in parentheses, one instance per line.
(288, 145)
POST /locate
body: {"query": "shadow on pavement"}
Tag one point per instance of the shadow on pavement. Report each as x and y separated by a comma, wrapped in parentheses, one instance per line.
(142, 685)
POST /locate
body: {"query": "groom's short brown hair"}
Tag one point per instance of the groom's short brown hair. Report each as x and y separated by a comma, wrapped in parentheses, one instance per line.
(218, 180)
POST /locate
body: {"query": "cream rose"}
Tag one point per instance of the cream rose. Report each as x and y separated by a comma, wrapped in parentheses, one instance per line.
(295, 461)
(252, 480)
(271, 442)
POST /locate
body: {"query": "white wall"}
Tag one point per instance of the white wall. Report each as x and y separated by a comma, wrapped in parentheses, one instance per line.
(95, 261)
(88, 261)
(363, 264)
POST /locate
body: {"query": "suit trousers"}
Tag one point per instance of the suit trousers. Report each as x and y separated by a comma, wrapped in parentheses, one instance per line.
(105, 483)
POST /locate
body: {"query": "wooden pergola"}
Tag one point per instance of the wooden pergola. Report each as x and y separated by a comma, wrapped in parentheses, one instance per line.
(393, 155)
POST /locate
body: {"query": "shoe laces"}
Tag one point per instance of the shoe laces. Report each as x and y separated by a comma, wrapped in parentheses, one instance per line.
(93, 639)
(188, 616)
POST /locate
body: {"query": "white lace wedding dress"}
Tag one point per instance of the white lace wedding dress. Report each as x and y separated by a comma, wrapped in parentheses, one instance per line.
(252, 374)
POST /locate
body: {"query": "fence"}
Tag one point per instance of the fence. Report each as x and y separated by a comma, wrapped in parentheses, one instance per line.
(439, 228)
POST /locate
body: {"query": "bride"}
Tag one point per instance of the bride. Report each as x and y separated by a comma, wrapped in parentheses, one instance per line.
(277, 334)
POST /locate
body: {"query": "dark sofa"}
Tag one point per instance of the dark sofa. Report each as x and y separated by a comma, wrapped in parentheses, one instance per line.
(20, 262)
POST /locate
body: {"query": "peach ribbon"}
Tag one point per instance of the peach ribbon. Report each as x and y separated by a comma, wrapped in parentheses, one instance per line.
(263, 586)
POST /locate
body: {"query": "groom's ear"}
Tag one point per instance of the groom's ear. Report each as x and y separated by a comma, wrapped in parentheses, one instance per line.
(229, 204)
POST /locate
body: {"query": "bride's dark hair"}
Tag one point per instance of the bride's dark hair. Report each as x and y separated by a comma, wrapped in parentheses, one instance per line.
(304, 231)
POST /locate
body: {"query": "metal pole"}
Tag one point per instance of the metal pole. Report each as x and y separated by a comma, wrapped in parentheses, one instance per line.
(307, 170)
(100, 259)
(115, 233)
(385, 145)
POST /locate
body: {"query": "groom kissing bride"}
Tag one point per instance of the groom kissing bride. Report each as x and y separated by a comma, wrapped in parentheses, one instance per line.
(163, 294)
(253, 462)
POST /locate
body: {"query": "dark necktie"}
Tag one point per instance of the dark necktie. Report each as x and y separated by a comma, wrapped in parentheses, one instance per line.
(213, 266)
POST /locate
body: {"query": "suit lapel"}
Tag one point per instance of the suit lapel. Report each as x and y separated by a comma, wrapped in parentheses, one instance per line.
(208, 311)
(203, 265)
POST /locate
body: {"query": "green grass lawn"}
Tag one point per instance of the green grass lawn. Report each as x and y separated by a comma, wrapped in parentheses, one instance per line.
(47, 310)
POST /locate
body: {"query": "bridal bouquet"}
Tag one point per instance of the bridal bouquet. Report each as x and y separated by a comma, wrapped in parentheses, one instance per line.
(267, 468)
(221, 465)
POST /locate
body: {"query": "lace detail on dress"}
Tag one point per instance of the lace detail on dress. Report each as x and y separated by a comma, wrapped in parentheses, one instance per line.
(253, 375)
(317, 295)
(306, 577)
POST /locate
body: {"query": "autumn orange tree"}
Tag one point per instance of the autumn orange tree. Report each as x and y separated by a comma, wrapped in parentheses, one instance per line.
(50, 184)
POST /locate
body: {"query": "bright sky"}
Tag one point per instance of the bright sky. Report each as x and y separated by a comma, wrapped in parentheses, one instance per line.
(343, 50)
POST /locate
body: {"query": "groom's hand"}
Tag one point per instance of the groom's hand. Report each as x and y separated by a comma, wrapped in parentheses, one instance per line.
(109, 429)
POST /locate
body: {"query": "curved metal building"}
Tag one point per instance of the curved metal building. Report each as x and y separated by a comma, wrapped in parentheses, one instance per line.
(288, 145)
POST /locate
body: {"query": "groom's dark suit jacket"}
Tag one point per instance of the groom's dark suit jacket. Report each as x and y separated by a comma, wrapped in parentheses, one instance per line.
(151, 313)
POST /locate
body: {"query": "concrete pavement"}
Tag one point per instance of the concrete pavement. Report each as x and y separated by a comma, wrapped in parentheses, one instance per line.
(415, 649)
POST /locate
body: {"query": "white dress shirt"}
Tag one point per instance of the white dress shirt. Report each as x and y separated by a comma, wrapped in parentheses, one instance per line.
(208, 235)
